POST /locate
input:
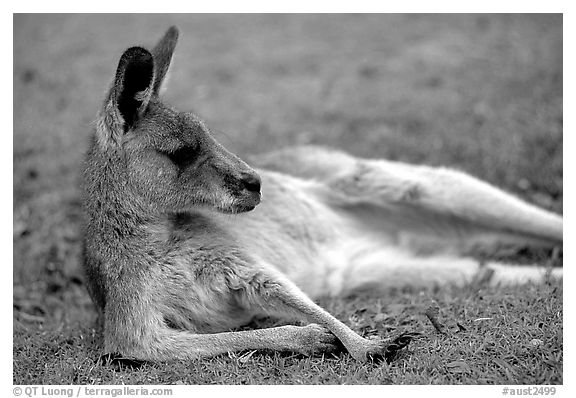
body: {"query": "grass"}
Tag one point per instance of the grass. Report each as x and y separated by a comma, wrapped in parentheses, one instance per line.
(511, 336)
(482, 93)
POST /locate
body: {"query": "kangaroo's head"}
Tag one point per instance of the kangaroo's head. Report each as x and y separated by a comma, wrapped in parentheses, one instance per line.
(169, 158)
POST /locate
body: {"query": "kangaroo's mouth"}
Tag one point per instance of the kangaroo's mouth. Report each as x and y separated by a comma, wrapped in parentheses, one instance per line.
(245, 202)
(251, 203)
(245, 209)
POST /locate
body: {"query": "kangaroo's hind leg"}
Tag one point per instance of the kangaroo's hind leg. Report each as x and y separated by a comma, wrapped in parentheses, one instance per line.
(444, 201)
(422, 202)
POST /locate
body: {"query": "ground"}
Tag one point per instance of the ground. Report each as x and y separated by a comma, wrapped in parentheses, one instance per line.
(481, 93)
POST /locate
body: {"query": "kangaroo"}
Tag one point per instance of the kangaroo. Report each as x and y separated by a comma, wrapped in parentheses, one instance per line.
(185, 242)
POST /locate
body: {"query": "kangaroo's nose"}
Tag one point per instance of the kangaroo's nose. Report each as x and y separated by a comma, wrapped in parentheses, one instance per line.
(252, 182)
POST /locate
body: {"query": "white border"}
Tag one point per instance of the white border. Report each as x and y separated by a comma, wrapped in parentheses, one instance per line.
(6, 24)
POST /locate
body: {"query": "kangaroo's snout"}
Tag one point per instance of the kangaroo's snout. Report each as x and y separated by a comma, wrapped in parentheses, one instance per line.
(248, 196)
(238, 180)
(252, 182)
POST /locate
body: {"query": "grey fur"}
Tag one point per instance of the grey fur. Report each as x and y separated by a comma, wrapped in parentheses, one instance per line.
(175, 257)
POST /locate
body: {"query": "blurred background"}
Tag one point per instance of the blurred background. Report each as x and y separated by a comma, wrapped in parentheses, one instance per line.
(481, 93)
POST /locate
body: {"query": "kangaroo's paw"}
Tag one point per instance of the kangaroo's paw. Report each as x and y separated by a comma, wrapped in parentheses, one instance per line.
(378, 350)
(317, 339)
(369, 350)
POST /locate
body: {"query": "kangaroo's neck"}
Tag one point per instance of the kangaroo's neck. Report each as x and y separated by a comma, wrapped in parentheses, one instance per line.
(116, 214)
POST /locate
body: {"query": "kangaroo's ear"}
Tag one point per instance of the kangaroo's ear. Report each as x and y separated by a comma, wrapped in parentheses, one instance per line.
(134, 83)
(163, 56)
(128, 98)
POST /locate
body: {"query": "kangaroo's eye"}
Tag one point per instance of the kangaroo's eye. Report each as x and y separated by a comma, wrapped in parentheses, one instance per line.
(182, 156)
